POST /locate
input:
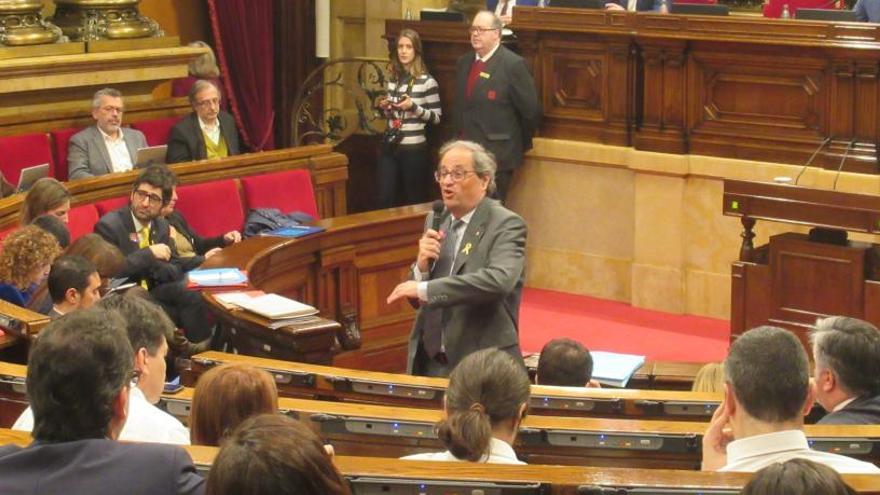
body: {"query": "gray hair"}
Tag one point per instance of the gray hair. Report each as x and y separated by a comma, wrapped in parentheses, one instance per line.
(198, 87)
(484, 160)
(112, 93)
(850, 348)
(496, 21)
(769, 372)
(205, 65)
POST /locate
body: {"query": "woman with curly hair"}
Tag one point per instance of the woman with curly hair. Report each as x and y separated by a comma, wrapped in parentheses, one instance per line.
(24, 262)
(46, 197)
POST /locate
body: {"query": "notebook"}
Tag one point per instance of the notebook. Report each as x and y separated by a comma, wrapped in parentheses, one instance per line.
(294, 231)
(276, 307)
(216, 277)
(154, 155)
(29, 175)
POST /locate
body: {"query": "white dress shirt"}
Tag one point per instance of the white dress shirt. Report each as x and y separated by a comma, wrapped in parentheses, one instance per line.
(500, 452)
(500, 5)
(145, 423)
(753, 453)
(212, 131)
(120, 158)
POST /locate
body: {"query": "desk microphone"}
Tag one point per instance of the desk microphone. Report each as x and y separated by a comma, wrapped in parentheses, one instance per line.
(813, 157)
(840, 167)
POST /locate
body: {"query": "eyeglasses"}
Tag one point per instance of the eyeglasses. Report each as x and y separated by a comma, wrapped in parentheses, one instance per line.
(457, 175)
(209, 102)
(141, 195)
(480, 30)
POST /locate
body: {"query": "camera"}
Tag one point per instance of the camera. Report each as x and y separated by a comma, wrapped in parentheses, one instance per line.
(393, 133)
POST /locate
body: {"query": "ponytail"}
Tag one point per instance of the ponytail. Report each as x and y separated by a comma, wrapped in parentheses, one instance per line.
(466, 434)
(487, 388)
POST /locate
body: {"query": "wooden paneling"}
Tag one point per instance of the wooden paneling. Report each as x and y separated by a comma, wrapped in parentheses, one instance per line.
(737, 86)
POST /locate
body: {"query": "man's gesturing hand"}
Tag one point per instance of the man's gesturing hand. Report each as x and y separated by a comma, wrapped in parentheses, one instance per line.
(408, 289)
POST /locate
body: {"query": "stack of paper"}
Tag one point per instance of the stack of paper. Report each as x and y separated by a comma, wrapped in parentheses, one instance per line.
(611, 368)
(280, 310)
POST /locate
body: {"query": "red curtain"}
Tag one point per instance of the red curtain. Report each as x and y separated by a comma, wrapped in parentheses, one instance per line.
(243, 37)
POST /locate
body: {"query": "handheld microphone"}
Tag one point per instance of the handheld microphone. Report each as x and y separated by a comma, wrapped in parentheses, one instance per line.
(840, 167)
(804, 168)
(437, 206)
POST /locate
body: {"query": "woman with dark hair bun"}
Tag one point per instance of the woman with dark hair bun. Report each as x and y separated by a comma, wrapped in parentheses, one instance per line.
(486, 400)
(797, 477)
(272, 454)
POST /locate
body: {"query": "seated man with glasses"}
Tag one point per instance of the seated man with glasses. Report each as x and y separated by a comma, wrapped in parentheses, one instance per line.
(468, 276)
(207, 133)
(151, 259)
(147, 327)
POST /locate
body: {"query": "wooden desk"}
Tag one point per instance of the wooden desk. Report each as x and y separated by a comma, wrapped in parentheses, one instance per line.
(557, 480)
(794, 280)
(300, 380)
(676, 84)
(345, 272)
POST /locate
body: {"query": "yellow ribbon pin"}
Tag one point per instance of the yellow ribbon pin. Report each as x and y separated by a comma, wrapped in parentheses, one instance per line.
(467, 249)
(485, 75)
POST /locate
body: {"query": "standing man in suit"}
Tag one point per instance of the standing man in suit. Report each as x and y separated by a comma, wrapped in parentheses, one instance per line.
(79, 377)
(846, 352)
(73, 284)
(106, 147)
(496, 103)
(469, 273)
(207, 133)
(151, 257)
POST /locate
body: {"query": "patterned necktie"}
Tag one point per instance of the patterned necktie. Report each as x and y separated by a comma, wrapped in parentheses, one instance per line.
(143, 242)
(432, 334)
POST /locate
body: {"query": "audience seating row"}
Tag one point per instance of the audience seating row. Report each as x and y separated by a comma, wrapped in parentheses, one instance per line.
(368, 475)
(364, 429)
(26, 150)
(214, 208)
(300, 380)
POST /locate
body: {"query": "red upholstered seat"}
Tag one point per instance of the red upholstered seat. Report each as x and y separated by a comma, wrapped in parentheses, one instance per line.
(288, 191)
(212, 208)
(156, 131)
(26, 150)
(60, 140)
(82, 220)
(109, 205)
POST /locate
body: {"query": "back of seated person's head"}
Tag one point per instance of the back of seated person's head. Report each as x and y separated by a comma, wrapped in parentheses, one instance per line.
(768, 373)
(566, 363)
(76, 373)
(74, 272)
(710, 378)
(272, 454)
(56, 227)
(26, 251)
(106, 257)
(849, 349)
(149, 328)
(46, 196)
(487, 391)
(797, 477)
(227, 395)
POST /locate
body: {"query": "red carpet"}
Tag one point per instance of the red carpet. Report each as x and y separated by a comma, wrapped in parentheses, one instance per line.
(618, 327)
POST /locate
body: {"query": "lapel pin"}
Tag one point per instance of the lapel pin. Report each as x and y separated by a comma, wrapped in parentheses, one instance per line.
(485, 75)
(467, 249)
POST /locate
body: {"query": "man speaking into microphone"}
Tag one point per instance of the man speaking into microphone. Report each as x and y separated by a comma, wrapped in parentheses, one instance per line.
(469, 272)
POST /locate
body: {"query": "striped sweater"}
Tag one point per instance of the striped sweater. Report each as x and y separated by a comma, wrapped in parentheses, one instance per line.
(425, 95)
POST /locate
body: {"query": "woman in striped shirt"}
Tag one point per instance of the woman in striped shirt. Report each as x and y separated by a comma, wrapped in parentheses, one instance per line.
(413, 101)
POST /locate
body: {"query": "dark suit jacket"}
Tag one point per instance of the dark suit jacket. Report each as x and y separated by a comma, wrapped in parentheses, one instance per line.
(480, 300)
(87, 467)
(862, 411)
(117, 228)
(503, 111)
(641, 5)
(186, 143)
(87, 154)
(201, 245)
(491, 4)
